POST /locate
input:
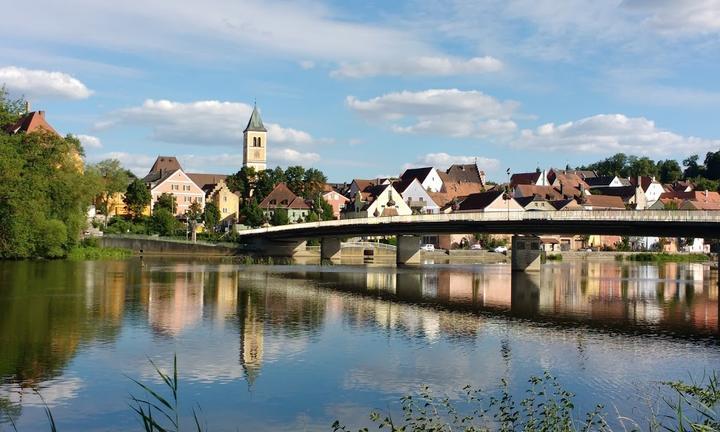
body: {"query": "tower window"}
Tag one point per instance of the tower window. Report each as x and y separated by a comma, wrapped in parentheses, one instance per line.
(259, 142)
(254, 141)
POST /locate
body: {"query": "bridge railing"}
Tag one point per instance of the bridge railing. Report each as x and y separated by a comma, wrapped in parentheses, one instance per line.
(512, 216)
(368, 245)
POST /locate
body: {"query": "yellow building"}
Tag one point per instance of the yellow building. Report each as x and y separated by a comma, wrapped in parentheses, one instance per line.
(227, 202)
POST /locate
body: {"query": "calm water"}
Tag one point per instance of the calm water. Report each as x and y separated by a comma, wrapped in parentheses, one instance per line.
(295, 347)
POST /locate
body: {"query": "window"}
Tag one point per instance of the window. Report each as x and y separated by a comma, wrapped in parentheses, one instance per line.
(259, 142)
(225, 210)
(254, 141)
(225, 198)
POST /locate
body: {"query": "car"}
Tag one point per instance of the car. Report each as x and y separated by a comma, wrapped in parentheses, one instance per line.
(476, 246)
(428, 247)
(501, 249)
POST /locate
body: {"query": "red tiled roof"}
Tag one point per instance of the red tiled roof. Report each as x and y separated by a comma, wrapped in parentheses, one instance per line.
(604, 201)
(524, 178)
(206, 180)
(283, 197)
(31, 122)
(165, 163)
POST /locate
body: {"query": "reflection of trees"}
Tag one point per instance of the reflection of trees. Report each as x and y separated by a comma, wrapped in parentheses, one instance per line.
(48, 308)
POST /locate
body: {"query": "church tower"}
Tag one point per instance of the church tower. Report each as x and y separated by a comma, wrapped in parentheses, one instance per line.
(255, 142)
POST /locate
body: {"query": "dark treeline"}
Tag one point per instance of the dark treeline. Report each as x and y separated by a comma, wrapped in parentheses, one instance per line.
(705, 176)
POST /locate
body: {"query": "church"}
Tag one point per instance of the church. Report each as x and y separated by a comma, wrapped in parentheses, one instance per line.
(255, 142)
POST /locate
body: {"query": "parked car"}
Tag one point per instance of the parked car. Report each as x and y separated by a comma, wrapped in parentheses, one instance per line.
(428, 247)
(501, 249)
(476, 246)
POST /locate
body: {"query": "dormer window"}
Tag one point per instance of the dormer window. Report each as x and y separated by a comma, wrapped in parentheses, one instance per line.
(273, 202)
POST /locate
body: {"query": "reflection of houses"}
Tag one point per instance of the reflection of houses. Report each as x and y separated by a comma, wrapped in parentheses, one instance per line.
(175, 301)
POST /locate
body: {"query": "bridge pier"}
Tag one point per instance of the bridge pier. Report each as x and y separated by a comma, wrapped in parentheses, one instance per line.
(277, 248)
(408, 249)
(330, 248)
(527, 253)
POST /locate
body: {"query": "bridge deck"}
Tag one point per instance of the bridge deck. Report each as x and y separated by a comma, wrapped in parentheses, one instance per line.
(663, 223)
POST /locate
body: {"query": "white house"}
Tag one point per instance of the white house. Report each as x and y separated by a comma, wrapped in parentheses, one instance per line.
(491, 201)
(428, 178)
(652, 188)
(376, 201)
(417, 197)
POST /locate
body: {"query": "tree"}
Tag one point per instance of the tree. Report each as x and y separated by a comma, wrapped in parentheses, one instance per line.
(166, 201)
(252, 214)
(280, 217)
(642, 166)
(313, 183)
(164, 222)
(242, 181)
(703, 184)
(194, 213)
(10, 109)
(669, 171)
(295, 179)
(712, 165)
(615, 165)
(211, 216)
(113, 179)
(692, 168)
(266, 182)
(137, 197)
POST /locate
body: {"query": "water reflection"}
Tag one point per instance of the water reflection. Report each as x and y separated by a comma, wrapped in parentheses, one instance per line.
(235, 323)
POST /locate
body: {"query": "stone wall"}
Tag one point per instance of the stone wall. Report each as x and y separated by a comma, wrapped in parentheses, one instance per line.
(150, 246)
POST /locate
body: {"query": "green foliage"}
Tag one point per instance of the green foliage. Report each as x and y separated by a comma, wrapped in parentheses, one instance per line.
(163, 222)
(137, 197)
(93, 253)
(211, 216)
(554, 257)
(623, 245)
(252, 214)
(547, 407)
(10, 109)
(488, 241)
(112, 179)
(121, 225)
(692, 168)
(697, 407)
(669, 171)
(312, 185)
(280, 217)
(312, 217)
(44, 194)
(166, 201)
(712, 165)
(242, 181)
(703, 184)
(326, 210)
(666, 257)
(295, 179)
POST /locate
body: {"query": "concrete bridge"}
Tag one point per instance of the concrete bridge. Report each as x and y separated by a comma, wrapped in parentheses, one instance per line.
(285, 240)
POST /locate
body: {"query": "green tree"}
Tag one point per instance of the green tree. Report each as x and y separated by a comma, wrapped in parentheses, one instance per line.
(642, 166)
(295, 179)
(252, 214)
(242, 181)
(137, 197)
(10, 109)
(280, 217)
(163, 222)
(692, 168)
(211, 216)
(166, 201)
(703, 184)
(313, 183)
(113, 179)
(615, 165)
(194, 215)
(712, 165)
(669, 171)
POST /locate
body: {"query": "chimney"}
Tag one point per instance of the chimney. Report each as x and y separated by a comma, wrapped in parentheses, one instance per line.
(706, 195)
(41, 114)
(27, 107)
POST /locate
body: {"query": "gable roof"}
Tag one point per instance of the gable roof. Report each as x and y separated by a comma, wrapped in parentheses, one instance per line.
(255, 123)
(605, 181)
(604, 201)
(418, 173)
(283, 197)
(30, 122)
(524, 178)
(479, 201)
(704, 196)
(624, 192)
(465, 173)
(207, 180)
(165, 163)
(563, 204)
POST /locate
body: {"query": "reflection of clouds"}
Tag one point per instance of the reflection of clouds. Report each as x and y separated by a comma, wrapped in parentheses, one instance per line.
(55, 392)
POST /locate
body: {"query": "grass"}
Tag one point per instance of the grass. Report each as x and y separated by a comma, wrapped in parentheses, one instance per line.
(554, 257)
(87, 253)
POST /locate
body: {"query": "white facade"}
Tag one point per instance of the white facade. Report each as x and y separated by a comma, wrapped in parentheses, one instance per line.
(416, 196)
(653, 192)
(432, 182)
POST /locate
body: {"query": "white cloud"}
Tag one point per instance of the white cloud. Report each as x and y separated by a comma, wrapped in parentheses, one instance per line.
(207, 123)
(432, 66)
(611, 133)
(41, 83)
(672, 16)
(444, 160)
(284, 156)
(307, 64)
(89, 141)
(450, 112)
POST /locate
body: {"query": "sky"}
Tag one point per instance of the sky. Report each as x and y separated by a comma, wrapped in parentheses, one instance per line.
(367, 89)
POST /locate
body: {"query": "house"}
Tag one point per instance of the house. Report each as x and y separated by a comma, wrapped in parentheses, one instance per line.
(699, 205)
(282, 197)
(31, 122)
(359, 185)
(606, 181)
(167, 176)
(465, 173)
(227, 202)
(632, 196)
(650, 187)
(335, 198)
(535, 203)
(531, 190)
(416, 197)
(601, 202)
(491, 201)
(427, 176)
(376, 201)
(538, 178)
(568, 183)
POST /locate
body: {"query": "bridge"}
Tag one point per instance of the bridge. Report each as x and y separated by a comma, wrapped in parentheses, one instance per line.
(284, 240)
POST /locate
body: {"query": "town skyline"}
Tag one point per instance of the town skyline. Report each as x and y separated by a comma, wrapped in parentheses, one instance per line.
(395, 86)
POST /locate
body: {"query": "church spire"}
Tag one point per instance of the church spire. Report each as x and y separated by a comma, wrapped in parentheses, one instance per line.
(255, 124)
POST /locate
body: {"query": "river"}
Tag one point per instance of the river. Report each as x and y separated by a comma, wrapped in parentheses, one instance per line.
(296, 347)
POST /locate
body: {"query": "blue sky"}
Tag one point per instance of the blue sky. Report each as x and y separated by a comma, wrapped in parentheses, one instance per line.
(366, 89)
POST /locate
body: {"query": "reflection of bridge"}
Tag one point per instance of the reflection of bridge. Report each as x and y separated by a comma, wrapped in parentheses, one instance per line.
(285, 240)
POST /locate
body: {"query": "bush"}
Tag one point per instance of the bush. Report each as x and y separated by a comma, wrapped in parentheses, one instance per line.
(52, 239)
(163, 222)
